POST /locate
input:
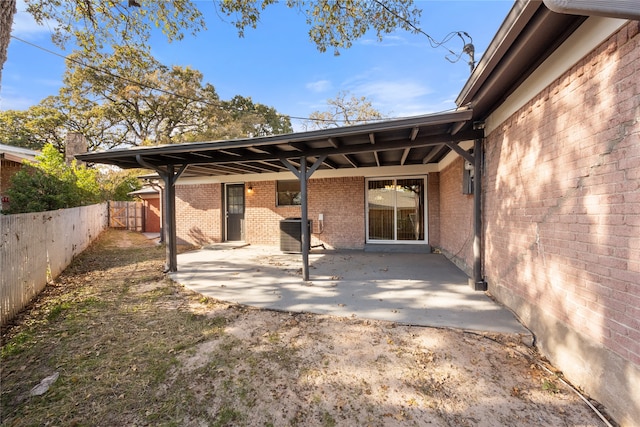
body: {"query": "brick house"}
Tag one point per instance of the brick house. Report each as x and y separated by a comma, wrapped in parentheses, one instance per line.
(560, 97)
(11, 161)
(551, 222)
(151, 208)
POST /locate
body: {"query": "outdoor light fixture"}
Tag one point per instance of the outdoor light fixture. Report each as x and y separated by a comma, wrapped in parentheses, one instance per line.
(250, 190)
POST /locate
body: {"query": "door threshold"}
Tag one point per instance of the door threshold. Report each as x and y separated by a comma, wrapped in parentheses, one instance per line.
(390, 247)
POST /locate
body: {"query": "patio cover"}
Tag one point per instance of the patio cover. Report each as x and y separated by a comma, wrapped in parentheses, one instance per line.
(409, 141)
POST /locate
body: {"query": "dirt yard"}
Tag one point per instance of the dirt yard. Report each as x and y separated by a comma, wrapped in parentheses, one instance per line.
(130, 347)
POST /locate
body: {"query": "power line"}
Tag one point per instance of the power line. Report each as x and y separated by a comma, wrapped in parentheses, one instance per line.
(135, 82)
(167, 92)
(433, 43)
(467, 48)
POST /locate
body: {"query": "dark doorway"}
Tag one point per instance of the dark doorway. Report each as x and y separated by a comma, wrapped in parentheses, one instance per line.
(235, 212)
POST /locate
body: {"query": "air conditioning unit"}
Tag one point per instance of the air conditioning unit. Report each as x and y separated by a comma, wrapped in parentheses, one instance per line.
(291, 235)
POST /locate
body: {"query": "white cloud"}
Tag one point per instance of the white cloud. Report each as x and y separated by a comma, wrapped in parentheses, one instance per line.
(398, 98)
(420, 108)
(24, 25)
(16, 103)
(319, 86)
(392, 91)
(396, 40)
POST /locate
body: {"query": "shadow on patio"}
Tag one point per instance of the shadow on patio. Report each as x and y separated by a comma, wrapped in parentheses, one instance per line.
(415, 289)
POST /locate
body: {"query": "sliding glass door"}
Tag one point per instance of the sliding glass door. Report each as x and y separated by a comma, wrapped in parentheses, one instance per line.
(396, 210)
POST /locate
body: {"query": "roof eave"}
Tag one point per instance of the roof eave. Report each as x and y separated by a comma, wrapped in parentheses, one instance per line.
(456, 116)
(511, 27)
(529, 34)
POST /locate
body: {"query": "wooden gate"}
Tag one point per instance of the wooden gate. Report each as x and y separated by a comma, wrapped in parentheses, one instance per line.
(126, 215)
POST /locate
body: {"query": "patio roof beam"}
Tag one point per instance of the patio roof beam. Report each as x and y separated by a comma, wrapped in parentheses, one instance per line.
(276, 168)
(330, 164)
(204, 155)
(265, 167)
(268, 150)
(247, 167)
(230, 153)
(233, 168)
(432, 154)
(159, 155)
(177, 156)
(205, 170)
(298, 146)
(405, 154)
(461, 151)
(326, 151)
(375, 155)
(351, 160)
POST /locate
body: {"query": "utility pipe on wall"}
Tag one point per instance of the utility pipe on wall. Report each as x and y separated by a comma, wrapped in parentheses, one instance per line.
(479, 283)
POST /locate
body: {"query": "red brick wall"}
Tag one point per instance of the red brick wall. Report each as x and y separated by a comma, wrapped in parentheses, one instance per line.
(198, 215)
(262, 216)
(433, 205)
(7, 170)
(340, 200)
(152, 215)
(456, 211)
(562, 206)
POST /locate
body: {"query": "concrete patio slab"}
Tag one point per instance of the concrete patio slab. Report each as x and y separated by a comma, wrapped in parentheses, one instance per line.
(409, 288)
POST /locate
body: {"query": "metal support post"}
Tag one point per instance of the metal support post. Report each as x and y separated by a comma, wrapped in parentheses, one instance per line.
(479, 283)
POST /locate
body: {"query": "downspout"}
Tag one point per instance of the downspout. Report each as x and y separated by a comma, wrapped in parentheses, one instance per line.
(479, 284)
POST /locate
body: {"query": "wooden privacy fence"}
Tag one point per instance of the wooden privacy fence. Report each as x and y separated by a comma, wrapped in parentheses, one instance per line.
(37, 247)
(126, 215)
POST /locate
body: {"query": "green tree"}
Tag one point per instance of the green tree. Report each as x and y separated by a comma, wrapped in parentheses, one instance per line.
(117, 184)
(88, 118)
(94, 25)
(154, 104)
(97, 25)
(333, 23)
(103, 30)
(51, 184)
(33, 128)
(240, 117)
(257, 119)
(344, 111)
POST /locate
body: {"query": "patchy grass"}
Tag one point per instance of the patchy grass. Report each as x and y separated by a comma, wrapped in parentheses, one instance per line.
(112, 326)
(133, 348)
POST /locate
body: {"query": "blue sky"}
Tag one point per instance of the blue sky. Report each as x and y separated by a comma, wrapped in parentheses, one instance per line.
(277, 65)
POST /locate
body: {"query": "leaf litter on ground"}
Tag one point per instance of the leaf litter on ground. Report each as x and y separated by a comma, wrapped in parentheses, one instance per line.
(131, 347)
